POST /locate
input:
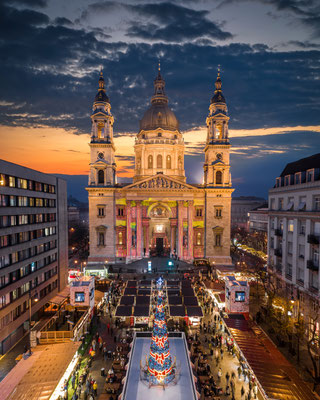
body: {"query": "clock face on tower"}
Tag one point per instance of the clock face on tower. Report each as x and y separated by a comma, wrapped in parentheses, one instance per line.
(219, 156)
(100, 155)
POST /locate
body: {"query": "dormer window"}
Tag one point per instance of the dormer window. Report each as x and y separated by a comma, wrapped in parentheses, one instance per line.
(297, 178)
(310, 174)
(287, 180)
(278, 182)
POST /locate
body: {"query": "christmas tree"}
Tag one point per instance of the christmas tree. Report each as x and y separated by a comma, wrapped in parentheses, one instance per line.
(160, 365)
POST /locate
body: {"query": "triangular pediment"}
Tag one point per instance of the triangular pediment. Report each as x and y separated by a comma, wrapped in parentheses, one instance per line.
(159, 181)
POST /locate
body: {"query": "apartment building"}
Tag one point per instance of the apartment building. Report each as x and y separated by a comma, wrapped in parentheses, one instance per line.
(294, 233)
(33, 246)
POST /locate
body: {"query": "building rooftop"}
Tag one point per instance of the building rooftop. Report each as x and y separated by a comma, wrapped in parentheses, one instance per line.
(302, 165)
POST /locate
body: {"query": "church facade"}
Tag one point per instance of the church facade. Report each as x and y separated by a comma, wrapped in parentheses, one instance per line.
(159, 213)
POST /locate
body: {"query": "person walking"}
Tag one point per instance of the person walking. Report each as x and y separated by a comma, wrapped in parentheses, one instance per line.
(219, 374)
(239, 372)
(227, 377)
(95, 388)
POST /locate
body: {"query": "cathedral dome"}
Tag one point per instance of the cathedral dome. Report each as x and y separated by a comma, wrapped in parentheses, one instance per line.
(159, 115)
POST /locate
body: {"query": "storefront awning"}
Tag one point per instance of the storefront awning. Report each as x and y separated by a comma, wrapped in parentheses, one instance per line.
(187, 291)
(177, 311)
(175, 300)
(141, 311)
(123, 311)
(142, 300)
(130, 292)
(194, 311)
(127, 300)
(132, 284)
(190, 301)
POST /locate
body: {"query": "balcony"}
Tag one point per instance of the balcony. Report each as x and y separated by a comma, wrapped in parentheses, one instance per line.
(278, 232)
(313, 239)
(312, 265)
(278, 252)
(313, 289)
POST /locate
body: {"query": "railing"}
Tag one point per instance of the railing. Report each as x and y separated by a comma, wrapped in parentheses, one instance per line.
(278, 252)
(311, 265)
(53, 336)
(313, 239)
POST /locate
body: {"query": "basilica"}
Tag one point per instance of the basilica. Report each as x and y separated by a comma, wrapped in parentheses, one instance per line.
(159, 213)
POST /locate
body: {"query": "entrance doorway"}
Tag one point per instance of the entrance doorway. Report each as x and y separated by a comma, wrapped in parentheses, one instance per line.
(159, 246)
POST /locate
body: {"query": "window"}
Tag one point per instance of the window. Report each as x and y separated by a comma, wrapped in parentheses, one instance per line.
(120, 236)
(302, 227)
(198, 239)
(218, 240)
(310, 176)
(150, 162)
(22, 183)
(12, 181)
(79, 297)
(159, 161)
(218, 177)
(280, 203)
(316, 203)
(101, 177)
(297, 178)
(168, 162)
(301, 251)
(272, 204)
(101, 239)
(218, 212)
(240, 297)
(302, 203)
(272, 243)
(287, 180)
(290, 225)
(101, 211)
(316, 228)
(290, 204)
(2, 180)
(199, 212)
(13, 201)
(290, 246)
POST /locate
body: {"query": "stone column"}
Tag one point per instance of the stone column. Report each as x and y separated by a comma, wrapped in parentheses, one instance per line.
(129, 232)
(139, 230)
(180, 229)
(190, 229)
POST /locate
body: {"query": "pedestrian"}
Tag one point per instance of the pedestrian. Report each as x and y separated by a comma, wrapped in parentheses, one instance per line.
(73, 380)
(242, 391)
(255, 390)
(227, 390)
(95, 388)
(227, 377)
(108, 327)
(239, 372)
(221, 353)
(219, 374)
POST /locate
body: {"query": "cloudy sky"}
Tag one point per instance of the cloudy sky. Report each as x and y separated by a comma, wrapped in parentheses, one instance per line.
(269, 52)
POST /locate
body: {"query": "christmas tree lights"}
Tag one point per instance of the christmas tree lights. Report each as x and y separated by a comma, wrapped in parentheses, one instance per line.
(160, 366)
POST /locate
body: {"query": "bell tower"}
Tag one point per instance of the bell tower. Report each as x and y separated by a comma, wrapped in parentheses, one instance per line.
(102, 149)
(217, 160)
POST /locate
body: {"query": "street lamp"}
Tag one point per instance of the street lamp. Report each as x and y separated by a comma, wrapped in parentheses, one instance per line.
(36, 299)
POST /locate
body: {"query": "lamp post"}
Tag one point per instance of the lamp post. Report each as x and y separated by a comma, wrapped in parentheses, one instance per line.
(30, 312)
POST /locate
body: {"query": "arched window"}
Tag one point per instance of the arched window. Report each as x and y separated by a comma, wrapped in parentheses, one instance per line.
(100, 239)
(218, 239)
(120, 238)
(159, 161)
(101, 176)
(150, 162)
(198, 239)
(168, 162)
(218, 177)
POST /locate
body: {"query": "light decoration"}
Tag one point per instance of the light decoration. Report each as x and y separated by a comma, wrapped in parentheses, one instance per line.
(160, 366)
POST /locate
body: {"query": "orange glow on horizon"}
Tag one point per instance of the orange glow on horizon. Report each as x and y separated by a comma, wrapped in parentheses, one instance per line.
(56, 150)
